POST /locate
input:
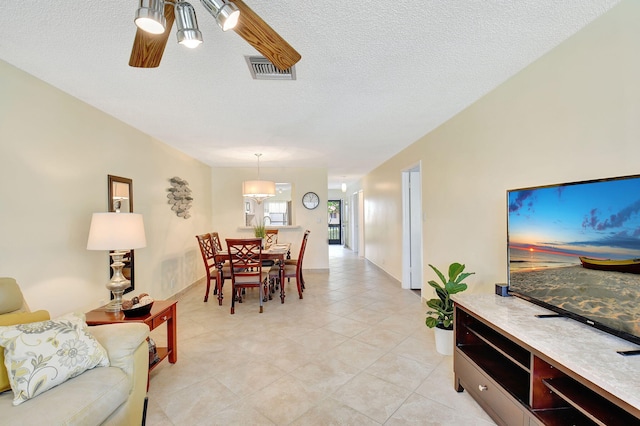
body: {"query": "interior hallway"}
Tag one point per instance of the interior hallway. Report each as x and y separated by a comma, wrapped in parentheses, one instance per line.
(354, 351)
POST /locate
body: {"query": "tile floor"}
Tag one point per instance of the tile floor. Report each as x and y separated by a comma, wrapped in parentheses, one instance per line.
(354, 351)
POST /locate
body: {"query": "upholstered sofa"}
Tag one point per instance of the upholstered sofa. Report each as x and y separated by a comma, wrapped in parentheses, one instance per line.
(110, 395)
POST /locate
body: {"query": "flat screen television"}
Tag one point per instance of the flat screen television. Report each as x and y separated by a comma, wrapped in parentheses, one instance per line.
(574, 248)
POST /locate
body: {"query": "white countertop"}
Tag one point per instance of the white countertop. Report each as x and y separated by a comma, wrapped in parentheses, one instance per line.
(588, 352)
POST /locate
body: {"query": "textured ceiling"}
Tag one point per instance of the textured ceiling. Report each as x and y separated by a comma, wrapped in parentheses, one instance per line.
(375, 75)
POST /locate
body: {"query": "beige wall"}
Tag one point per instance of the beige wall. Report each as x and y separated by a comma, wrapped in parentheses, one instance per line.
(572, 115)
(228, 208)
(55, 155)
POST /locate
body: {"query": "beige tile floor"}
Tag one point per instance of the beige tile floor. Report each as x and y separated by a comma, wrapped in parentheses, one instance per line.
(354, 351)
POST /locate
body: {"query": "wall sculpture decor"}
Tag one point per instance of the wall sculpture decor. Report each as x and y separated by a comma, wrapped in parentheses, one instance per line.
(180, 197)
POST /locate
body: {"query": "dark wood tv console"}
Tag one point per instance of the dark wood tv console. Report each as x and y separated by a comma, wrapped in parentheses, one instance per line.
(525, 370)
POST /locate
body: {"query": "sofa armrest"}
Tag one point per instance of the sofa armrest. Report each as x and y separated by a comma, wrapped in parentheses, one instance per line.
(120, 342)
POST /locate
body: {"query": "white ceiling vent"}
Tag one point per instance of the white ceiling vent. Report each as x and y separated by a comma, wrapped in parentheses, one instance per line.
(262, 69)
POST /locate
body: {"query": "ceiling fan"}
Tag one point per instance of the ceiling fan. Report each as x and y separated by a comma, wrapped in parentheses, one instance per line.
(159, 16)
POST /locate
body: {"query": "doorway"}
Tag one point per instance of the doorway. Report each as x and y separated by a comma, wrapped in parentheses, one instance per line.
(412, 228)
(334, 211)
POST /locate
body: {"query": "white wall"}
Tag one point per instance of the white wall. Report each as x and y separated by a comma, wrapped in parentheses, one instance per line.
(228, 207)
(55, 155)
(570, 116)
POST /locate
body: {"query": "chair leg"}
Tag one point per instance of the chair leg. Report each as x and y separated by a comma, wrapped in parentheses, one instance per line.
(262, 297)
(233, 299)
(299, 283)
(206, 294)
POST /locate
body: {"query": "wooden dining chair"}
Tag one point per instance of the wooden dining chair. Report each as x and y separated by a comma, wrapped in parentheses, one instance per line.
(295, 261)
(208, 252)
(245, 257)
(216, 241)
(290, 270)
(270, 238)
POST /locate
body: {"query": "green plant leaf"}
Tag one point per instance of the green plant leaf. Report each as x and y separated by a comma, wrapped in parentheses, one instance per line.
(454, 270)
(461, 277)
(435, 304)
(442, 278)
(431, 322)
(434, 284)
(453, 288)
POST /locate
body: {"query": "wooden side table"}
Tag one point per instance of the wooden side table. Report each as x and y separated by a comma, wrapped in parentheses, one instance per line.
(161, 312)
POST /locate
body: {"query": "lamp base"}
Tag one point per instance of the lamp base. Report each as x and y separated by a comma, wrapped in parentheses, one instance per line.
(116, 304)
(118, 283)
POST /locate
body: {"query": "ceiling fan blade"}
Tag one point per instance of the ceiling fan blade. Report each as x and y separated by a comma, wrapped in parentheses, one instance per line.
(148, 48)
(263, 38)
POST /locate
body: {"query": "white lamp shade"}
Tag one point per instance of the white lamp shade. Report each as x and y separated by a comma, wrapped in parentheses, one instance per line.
(116, 231)
(258, 188)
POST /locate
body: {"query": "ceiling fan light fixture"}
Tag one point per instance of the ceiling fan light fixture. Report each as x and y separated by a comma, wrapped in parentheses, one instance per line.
(188, 33)
(226, 13)
(150, 16)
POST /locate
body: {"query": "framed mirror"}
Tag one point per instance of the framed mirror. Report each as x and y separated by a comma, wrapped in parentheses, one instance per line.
(120, 193)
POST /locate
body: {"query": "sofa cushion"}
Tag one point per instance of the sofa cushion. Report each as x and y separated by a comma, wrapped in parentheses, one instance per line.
(88, 399)
(44, 354)
(12, 319)
(11, 299)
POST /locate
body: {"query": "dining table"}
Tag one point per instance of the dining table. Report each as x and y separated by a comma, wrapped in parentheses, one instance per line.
(277, 252)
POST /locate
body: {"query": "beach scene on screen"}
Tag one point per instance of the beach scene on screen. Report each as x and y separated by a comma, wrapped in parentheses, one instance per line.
(577, 247)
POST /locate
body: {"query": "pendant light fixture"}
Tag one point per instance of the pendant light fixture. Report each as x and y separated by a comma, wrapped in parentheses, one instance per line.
(259, 190)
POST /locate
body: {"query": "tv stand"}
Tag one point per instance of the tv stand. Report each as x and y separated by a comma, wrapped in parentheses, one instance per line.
(526, 372)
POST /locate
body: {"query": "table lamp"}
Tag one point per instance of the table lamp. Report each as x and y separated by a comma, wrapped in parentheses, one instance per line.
(119, 233)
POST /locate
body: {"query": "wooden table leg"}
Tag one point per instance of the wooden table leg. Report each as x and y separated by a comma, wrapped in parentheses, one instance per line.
(282, 280)
(172, 335)
(219, 282)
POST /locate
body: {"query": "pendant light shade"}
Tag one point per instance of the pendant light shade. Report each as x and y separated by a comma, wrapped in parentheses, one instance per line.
(150, 16)
(259, 190)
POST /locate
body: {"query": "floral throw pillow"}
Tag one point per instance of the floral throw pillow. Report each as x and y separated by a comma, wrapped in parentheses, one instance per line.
(41, 355)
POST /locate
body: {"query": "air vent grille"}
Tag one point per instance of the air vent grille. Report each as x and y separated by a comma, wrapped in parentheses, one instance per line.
(262, 69)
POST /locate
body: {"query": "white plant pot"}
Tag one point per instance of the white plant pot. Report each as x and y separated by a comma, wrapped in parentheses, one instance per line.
(444, 341)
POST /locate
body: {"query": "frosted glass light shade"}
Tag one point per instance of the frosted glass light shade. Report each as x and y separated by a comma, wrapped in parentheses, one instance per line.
(116, 231)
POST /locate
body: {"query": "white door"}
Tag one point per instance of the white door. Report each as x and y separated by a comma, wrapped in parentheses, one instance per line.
(412, 228)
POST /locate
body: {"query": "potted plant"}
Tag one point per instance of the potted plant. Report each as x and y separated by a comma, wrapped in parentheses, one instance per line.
(440, 315)
(259, 230)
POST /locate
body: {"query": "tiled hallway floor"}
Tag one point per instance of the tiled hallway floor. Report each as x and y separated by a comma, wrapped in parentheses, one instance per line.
(354, 351)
